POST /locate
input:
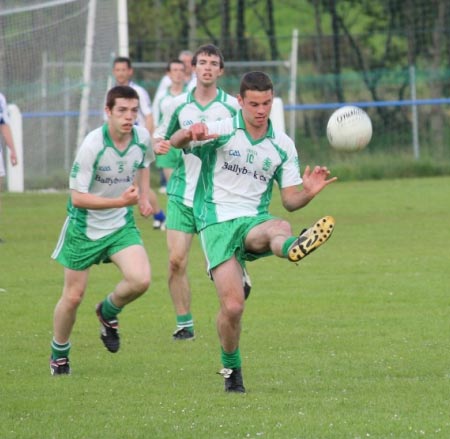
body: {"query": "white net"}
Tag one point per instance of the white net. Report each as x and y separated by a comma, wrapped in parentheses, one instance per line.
(43, 71)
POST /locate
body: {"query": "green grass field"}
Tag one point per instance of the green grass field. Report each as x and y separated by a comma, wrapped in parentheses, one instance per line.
(351, 343)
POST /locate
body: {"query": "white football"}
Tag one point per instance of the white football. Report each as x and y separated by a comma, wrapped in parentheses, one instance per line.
(349, 129)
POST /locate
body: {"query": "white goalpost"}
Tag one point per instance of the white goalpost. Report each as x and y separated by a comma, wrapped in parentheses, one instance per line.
(55, 64)
(55, 58)
(87, 69)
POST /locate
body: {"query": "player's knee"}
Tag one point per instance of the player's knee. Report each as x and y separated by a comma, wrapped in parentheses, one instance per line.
(233, 308)
(141, 285)
(138, 283)
(177, 264)
(73, 298)
(283, 226)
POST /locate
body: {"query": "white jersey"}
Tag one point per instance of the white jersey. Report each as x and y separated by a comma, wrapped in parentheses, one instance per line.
(145, 104)
(238, 173)
(4, 116)
(166, 82)
(162, 104)
(101, 169)
(184, 112)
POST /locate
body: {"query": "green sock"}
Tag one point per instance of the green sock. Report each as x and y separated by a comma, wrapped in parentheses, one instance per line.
(286, 245)
(60, 350)
(231, 360)
(186, 321)
(109, 310)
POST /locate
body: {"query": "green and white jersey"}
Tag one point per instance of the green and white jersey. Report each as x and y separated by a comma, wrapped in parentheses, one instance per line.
(162, 104)
(238, 173)
(101, 169)
(184, 112)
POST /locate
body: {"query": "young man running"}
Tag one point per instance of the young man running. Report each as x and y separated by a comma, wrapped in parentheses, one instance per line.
(123, 72)
(242, 158)
(206, 103)
(110, 174)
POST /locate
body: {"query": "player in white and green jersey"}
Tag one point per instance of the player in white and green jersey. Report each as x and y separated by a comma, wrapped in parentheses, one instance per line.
(238, 178)
(161, 105)
(123, 72)
(186, 110)
(242, 158)
(206, 103)
(109, 176)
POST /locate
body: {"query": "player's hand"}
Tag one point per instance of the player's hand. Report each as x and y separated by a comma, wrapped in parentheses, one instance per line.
(161, 146)
(131, 196)
(145, 208)
(13, 158)
(199, 132)
(315, 180)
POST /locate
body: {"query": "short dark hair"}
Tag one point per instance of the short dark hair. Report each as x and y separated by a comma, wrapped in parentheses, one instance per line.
(120, 91)
(258, 81)
(210, 50)
(173, 61)
(121, 59)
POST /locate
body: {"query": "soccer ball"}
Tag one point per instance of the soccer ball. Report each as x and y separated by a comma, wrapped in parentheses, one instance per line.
(349, 129)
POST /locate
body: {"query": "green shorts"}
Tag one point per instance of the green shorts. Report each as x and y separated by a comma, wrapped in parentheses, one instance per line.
(77, 252)
(169, 160)
(180, 217)
(222, 241)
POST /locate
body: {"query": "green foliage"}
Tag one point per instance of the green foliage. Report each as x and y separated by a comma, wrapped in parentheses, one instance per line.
(351, 343)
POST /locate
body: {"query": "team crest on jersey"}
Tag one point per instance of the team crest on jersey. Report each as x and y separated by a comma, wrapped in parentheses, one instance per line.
(267, 164)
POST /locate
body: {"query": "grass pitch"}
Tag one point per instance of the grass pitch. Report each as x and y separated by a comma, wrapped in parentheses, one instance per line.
(351, 343)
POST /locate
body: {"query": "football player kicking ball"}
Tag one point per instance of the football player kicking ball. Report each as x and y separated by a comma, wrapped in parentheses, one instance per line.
(242, 157)
(110, 175)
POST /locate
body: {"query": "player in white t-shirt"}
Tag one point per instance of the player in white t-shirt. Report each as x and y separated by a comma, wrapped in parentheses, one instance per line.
(190, 78)
(5, 130)
(123, 72)
(242, 158)
(206, 103)
(162, 105)
(109, 176)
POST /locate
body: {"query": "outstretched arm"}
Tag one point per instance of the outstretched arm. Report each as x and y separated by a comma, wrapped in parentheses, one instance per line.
(196, 132)
(314, 181)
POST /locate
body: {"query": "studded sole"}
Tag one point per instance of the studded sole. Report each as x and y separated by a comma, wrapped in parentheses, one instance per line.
(311, 239)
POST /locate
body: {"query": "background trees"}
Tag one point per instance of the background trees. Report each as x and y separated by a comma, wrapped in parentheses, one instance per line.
(349, 50)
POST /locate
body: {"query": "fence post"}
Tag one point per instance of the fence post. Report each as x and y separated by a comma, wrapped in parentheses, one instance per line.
(293, 83)
(415, 120)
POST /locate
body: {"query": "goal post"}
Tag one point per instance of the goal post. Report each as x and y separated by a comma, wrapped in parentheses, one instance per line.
(55, 59)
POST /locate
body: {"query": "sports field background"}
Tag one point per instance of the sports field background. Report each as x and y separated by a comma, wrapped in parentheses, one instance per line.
(351, 343)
